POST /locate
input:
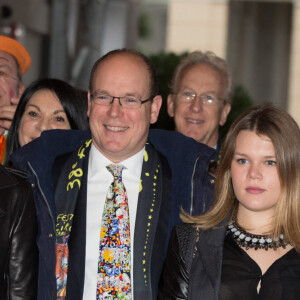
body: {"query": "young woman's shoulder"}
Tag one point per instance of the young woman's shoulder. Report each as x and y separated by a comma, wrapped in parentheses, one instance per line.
(175, 279)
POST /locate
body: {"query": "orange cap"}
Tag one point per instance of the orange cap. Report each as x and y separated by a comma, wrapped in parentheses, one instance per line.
(14, 48)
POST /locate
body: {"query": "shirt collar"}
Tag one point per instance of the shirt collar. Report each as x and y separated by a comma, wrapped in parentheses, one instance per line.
(98, 162)
(134, 163)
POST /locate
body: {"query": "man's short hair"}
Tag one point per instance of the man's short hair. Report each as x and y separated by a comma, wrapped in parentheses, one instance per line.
(145, 59)
(209, 58)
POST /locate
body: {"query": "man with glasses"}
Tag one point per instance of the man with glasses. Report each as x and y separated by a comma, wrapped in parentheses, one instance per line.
(200, 98)
(109, 193)
(14, 62)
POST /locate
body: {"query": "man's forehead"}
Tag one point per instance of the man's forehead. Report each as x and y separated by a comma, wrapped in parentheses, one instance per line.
(202, 73)
(121, 64)
(202, 68)
(7, 59)
(123, 58)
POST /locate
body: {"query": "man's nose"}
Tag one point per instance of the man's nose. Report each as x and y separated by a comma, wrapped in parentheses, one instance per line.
(115, 108)
(196, 104)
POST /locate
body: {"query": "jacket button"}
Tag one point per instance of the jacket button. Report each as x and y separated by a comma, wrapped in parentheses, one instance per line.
(212, 181)
(33, 185)
(50, 235)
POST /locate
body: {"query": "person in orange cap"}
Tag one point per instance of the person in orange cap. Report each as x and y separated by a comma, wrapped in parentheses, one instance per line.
(14, 62)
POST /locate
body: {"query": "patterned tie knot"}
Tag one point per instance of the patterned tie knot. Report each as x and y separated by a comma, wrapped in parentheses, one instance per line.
(116, 171)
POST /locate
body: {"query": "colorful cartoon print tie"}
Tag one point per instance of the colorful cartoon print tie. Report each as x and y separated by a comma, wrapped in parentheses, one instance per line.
(114, 249)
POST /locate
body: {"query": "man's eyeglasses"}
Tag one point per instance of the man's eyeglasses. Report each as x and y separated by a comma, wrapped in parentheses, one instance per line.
(126, 102)
(206, 98)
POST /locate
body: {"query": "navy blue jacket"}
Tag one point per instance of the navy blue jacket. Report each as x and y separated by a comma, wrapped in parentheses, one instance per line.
(187, 159)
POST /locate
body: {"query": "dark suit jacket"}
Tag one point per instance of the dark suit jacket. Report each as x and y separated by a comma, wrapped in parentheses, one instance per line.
(156, 242)
(37, 157)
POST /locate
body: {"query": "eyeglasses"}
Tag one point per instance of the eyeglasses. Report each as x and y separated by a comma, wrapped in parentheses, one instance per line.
(206, 98)
(126, 102)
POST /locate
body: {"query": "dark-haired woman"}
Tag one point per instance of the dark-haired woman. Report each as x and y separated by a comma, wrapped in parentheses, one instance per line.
(247, 246)
(46, 104)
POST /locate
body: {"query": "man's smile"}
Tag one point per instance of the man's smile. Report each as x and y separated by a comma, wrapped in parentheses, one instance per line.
(194, 121)
(115, 128)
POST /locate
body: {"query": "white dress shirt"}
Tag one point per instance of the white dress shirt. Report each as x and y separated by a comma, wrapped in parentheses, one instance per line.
(99, 180)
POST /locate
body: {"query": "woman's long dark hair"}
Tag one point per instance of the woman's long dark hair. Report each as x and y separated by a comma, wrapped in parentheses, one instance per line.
(73, 101)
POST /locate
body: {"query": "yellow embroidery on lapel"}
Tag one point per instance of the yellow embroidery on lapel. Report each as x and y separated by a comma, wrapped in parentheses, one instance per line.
(141, 186)
(150, 216)
(146, 156)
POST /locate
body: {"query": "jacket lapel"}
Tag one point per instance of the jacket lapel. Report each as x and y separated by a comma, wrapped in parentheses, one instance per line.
(161, 241)
(76, 267)
(151, 227)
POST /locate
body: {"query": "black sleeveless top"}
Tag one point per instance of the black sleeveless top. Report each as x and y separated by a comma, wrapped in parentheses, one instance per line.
(241, 275)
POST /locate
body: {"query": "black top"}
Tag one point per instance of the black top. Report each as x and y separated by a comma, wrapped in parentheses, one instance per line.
(241, 275)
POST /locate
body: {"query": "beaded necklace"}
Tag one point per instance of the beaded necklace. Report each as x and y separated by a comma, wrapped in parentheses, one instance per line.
(249, 240)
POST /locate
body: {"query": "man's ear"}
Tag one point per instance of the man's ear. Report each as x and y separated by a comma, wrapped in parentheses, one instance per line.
(155, 108)
(224, 113)
(171, 104)
(89, 104)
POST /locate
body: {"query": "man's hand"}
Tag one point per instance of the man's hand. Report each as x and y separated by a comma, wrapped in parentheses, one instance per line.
(7, 113)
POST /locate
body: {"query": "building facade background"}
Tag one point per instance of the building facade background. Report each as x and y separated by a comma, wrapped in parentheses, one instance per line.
(259, 39)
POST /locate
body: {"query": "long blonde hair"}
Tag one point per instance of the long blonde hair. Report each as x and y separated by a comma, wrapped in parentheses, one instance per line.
(284, 133)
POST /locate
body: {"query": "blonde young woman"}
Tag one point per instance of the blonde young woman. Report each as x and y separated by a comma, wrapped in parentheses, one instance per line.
(247, 246)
